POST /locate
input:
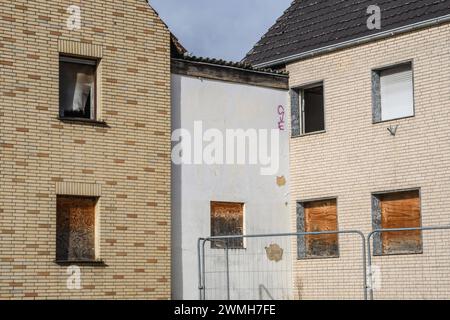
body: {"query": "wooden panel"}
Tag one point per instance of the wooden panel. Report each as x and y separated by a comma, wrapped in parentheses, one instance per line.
(321, 216)
(75, 228)
(401, 210)
(227, 219)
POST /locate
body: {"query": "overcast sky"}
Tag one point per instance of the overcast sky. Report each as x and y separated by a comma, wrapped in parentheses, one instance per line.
(225, 29)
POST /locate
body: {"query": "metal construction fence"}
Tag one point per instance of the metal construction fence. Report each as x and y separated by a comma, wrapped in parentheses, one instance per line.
(413, 273)
(271, 267)
(267, 268)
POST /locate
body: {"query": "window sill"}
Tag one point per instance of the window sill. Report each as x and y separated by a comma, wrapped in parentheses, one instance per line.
(318, 257)
(393, 254)
(391, 120)
(309, 134)
(93, 263)
(83, 121)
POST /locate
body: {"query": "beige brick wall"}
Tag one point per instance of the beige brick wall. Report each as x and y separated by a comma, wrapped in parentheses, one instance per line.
(129, 158)
(355, 158)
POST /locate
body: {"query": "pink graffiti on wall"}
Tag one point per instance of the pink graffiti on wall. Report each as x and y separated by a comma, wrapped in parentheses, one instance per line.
(281, 114)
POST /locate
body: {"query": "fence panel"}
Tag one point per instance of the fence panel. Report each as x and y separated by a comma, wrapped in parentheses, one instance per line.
(274, 267)
(409, 263)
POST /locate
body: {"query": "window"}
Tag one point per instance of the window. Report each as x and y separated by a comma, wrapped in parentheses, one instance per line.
(397, 210)
(77, 88)
(227, 219)
(75, 228)
(317, 216)
(308, 111)
(393, 96)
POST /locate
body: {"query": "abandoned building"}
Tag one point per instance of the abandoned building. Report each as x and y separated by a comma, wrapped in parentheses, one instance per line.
(85, 123)
(97, 98)
(84, 150)
(213, 198)
(369, 140)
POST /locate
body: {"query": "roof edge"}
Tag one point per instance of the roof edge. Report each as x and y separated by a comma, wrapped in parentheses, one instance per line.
(229, 73)
(180, 49)
(231, 64)
(357, 41)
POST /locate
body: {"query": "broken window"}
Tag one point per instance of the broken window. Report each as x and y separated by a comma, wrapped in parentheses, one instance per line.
(392, 211)
(75, 228)
(393, 96)
(227, 219)
(317, 216)
(77, 88)
(308, 111)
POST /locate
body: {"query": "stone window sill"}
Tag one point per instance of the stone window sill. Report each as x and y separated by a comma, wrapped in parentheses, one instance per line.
(93, 263)
(83, 121)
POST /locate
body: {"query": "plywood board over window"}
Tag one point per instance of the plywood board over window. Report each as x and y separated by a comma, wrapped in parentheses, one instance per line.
(75, 228)
(227, 219)
(398, 210)
(317, 216)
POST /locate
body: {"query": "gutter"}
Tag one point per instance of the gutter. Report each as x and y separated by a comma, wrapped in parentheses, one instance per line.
(357, 41)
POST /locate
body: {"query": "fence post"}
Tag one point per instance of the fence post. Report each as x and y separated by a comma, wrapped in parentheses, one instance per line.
(369, 262)
(228, 269)
(199, 261)
(204, 270)
(363, 239)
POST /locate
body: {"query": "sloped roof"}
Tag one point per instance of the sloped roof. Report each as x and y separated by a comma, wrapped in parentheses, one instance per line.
(176, 48)
(308, 25)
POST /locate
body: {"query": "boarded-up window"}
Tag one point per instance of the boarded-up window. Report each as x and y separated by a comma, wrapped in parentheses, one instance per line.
(317, 216)
(75, 228)
(397, 210)
(227, 219)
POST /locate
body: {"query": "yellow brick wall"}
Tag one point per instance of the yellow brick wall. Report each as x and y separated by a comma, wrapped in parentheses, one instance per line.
(356, 157)
(129, 158)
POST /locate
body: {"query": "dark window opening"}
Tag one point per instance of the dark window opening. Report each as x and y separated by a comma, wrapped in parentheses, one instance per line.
(313, 111)
(227, 219)
(77, 88)
(75, 228)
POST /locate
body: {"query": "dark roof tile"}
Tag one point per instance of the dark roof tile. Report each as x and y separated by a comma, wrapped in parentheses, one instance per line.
(312, 24)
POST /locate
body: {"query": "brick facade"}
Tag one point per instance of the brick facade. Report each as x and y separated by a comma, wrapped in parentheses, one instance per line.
(355, 158)
(125, 160)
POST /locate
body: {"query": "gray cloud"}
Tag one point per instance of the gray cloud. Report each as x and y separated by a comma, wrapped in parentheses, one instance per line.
(225, 29)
